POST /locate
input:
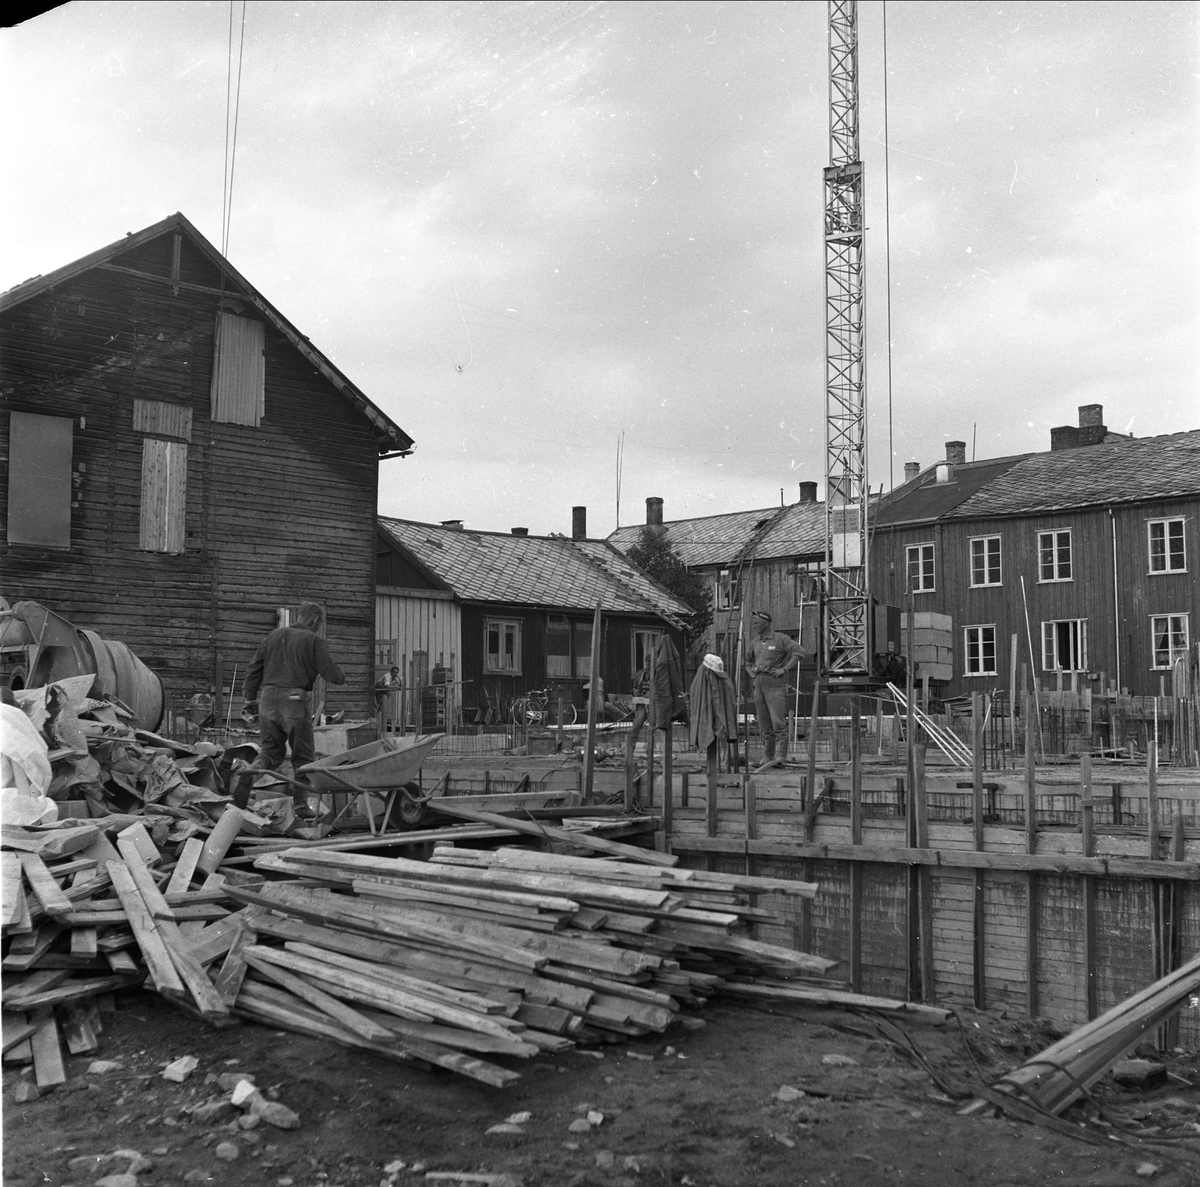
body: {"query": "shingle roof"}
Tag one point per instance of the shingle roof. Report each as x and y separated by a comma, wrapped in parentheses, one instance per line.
(707, 540)
(924, 498)
(532, 570)
(1125, 471)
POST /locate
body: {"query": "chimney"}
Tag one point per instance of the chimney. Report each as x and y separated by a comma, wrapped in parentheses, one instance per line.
(520, 531)
(808, 492)
(1092, 429)
(956, 453)
(654, 512)
(454, 525)
(1063, 437)
(911, 470)
(578, 523)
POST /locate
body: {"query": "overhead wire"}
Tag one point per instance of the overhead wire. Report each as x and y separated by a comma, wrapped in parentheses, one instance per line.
(887, 250)
(233, 104)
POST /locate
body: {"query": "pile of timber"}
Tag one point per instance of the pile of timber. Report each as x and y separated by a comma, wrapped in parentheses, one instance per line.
(83, 917)
(1063, 1072)
(504, 953)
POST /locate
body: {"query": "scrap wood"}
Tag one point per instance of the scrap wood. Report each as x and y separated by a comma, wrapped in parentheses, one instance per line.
(16, 1029)
(1064, 1071)
(54, 841)
(836, 997)
(48, 1068)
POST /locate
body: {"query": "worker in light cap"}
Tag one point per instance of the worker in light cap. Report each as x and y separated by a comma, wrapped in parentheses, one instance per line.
(770, 656)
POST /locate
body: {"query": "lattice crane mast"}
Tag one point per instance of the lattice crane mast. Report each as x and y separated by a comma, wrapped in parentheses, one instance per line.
(846, 618)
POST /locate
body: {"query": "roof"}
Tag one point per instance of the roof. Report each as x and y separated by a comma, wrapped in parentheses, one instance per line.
(1118, 470)
(709, 539)
(547, 571)
(391, 438)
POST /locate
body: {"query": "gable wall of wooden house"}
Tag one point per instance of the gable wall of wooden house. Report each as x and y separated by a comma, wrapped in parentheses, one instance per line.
(272, 515)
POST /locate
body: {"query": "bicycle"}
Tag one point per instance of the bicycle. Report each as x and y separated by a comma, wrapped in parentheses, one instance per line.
(536, 708)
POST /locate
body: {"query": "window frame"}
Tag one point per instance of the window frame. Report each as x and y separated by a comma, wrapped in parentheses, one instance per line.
(646, 640)
(806, 577)
(1051, 644)
(727, 591)
(920, 551)
(503, 626)
(1166, 568)
(1182, 618)
(41, 480)
(1054, 535)
(976, 649)
(981, 544)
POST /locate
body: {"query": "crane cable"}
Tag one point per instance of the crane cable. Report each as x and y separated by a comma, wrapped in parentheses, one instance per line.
(887, 251)
(233, 100)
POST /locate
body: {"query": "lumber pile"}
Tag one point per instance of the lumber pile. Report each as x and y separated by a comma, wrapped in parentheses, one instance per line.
(83, 917)
(1063, 1072)
(477, 954)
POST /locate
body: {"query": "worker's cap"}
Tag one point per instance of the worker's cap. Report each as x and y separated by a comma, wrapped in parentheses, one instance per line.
(714, 663)
(763, 614)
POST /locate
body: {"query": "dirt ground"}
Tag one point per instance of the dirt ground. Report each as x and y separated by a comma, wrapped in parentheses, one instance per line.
(755, 1097)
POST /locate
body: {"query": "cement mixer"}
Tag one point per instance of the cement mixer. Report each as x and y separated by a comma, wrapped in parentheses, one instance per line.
(38, 647)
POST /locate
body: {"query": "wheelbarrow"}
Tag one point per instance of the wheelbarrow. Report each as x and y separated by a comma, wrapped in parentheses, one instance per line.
(386, 769)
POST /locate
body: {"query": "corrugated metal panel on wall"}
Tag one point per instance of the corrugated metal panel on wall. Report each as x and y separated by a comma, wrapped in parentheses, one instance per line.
(164, 494)
(429, 625)
(238, 371)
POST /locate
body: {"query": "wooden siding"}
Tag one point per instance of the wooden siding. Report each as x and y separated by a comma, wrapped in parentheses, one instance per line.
(164, 495)
(1111, 589)
(274, 515)
(420, 627)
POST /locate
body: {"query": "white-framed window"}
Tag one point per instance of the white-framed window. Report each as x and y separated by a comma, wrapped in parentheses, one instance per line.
(1054, 555)
(985, 560)
(1168, 553)
(502, 646)
(1064, 645)
(919, 559)
(979, 648)
(727, 595)
(1168, 638)
(807, 583)
(644, 642)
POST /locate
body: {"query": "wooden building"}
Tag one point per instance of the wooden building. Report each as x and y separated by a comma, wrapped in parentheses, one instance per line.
(182, 464)
(489, 616)
(1078, 566)
(770, 559)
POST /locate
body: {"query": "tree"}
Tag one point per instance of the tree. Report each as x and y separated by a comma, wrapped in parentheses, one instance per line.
(653, 553)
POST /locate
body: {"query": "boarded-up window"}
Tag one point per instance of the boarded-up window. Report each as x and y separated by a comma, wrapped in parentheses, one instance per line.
(164, 494)
(39, 480)
(238, 371)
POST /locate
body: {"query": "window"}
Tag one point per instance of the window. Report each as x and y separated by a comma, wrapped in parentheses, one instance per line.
(558, 648)
(644, 643)
(39, 480)
(985, 560)
(238, 371)
(1167, 553)
(920, 567)
(1168, 638)
(1064, 645)
(980, 648)
(727, 595)
(502, 646)
(807, 583)
(1054, 556)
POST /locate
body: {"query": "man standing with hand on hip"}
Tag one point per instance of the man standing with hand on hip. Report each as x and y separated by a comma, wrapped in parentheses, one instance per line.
(279, 688)
(770, 655)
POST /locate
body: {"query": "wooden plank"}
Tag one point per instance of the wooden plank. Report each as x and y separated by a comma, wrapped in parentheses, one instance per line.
(48, 1068)
(158, 960)
(228, 983)
(710, 803)
(567, 836)
(12, 893)
(147, 888)
(16, 1029)
(216, 939)
(185, 867)
(84, 941)
(205, 998)
(76, 1027)
(1031, 881)
(44, 886)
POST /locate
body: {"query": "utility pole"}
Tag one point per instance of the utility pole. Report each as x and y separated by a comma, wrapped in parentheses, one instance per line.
(847, 596)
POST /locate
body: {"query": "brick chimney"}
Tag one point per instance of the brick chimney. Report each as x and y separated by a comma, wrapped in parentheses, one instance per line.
(956, 453)
(654, 512)
(1092, 429)
(519, 531)
(808, 492)
(911, 470)
(578, 523)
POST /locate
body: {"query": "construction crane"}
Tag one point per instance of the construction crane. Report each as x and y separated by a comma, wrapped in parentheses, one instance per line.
(846, 612)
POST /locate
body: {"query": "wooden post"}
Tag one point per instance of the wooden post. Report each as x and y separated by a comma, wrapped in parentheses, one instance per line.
(589, 750)
(856, 819)
(711, 805)
(668, 789)
(979, 971)
(810, 781)
(920, 797)
(1152, 826)
(751, 805)
(1174, 931)
(1031, 880)
(652, 722)
(1087, 847)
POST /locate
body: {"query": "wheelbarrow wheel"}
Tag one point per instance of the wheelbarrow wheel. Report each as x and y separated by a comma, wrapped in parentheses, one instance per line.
(410, 809)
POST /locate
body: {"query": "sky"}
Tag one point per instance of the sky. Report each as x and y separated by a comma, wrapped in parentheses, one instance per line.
(575, 249)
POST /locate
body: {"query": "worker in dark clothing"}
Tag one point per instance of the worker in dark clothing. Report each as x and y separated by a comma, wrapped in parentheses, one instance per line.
(770, 655)
(278, 688)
